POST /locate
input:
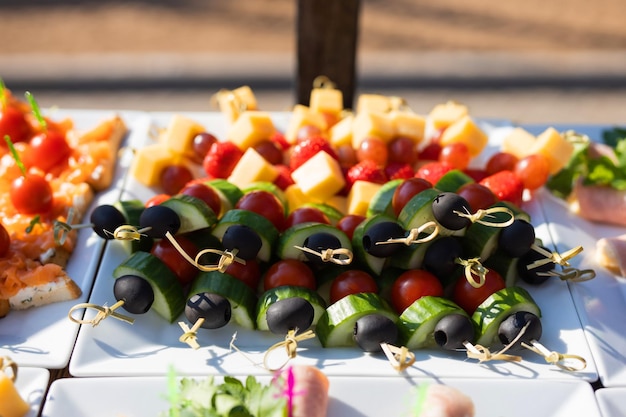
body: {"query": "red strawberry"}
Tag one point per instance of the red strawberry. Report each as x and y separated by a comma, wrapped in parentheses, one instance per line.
(307, 148)
(280, 140)
(283, 180)
(506, 186)
(433, 171)
(398, 170)
(365, 170)
(221, 159)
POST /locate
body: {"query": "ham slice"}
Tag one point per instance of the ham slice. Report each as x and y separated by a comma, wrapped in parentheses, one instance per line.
(309, 388)
(611, 254)
(599, 204)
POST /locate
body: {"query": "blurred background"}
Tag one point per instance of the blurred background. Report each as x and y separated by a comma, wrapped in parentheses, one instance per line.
(523, 60)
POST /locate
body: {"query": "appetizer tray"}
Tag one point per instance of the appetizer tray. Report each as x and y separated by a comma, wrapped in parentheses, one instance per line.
(44, 336)
(150, 346)
(601, 302)
(32, 383)
(349, 397)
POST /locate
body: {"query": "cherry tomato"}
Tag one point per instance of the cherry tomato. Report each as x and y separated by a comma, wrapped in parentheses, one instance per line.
(456, 154)
(374, 149)
(31, 194)
(157, 199)
(264, 203)
(477, 195)
(352, 281)
(349, 222)
(533, 170)
(270, 151)
(47, 150)
(407, 190)
(174, 178)
(411, 285)
(402, 149)
(500, 161)
(14, 124)
(184, 270)
(289, 272)
(306, 214)
(5, 241)
(249, 274)
(469, 298)
(205, 193)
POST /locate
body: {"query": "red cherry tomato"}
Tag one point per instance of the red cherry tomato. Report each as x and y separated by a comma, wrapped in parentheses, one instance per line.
(14, 124)
(249, 274)
(306, 214)
(174, 178)
(411, 285)
(477, 195)
(373, 149)
(5, 241)
(157, 199)
(264, 203)
(289, 272)
(407, 190)
(456, 154)
(533, 170)
(47, 150)
(184, 270)
(352, 281)
(31, 194)
(469, 298)
(205, 193)
(349, 222)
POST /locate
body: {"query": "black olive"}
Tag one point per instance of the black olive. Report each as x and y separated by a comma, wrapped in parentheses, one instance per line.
(373, 329)
(444, 207)
(159, 220)
(320, 242)
(136, 293)
(213, 308)
(381, 232)
(532, 276)
(244, 239)
(453, 330)
(512, 325)
(293, 313)
(517, 238)
(106, 218)
(441, 255)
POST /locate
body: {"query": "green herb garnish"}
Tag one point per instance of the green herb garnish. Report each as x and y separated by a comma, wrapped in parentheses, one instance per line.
(36, 110)
(14, 154)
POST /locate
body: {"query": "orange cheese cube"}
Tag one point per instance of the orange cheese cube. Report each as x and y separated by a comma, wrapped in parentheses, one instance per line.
(320, 177)
(180, 133)
(150, 161)
(303, 116)
(444, 114)
(368, 124)
(555, 147)
(252, 167)
(326, 100)
(466, 131)
(408, 124)
(373, 103)
(360, 196)
(250, 128)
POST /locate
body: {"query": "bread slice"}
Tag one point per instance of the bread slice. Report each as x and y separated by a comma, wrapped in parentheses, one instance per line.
(63, 288)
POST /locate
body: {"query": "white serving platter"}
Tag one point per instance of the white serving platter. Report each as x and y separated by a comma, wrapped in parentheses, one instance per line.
(348, 397)
(44, 336)
(612, 401)
(601, 302)
(150, 346)
(32, 383)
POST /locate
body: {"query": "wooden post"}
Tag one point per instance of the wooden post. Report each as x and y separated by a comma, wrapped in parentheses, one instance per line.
(327, 45)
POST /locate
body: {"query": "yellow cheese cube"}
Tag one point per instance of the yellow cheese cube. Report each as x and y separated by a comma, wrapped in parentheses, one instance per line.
(250, 128)
(150, 161)
(341, 132)
(252, 167)
(246, 97)
(320, 177)
(303, 116)
(12, 404)
(234, 102)
(373, 103)
(180, 133)
(360, 196)
(519, 142)
(466, 131)
(444, 114)
(338, 202)
(408, 124)
(367, 124)
(296, 197)
(555, 147)
(326, 100)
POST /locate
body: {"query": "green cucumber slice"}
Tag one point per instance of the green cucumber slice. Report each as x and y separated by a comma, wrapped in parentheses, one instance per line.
(169, 296)
(241, 298)
(297, 234)
(419, 211)
(272, 188)
(362, 259)
(417, 323)
(228, 192)
(325, 277)
(497, 307)
(381, 202)
(452, 180)
(336, 326)
(280, 293)
(194, 213)
(266, 230)
(505, 265)
(132, 209)
(333, 214)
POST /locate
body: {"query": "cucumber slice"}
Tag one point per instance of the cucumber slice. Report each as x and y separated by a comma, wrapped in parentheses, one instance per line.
(241, 298)
(272, 188)
(132, 209)
(453, 180)
(385, 281)
(362, 259)
(297, 234)
(194, 213)
(228, 192)
(419, 210)
(381, 202)
(333, 214)
(505, 265)
(280, 293)
(336, 326)
(325, 277)
(417, 323)
(497, 307)
(265, 229)
(169, 296)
